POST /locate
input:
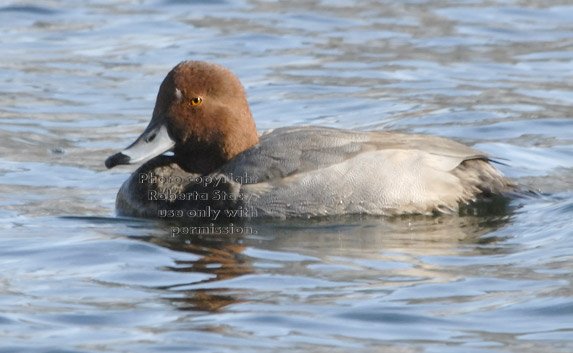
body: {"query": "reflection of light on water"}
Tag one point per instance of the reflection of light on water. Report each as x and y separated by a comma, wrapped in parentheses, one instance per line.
(83, 80)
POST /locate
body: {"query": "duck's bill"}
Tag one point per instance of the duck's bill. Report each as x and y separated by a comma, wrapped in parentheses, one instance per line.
(154, 141)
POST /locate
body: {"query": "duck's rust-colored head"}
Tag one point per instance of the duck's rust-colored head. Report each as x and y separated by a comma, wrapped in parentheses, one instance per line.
(201, 114)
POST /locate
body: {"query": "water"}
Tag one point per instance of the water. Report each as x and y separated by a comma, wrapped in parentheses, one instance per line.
(78, 82)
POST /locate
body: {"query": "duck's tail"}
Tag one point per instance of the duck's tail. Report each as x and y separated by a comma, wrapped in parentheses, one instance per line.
(482, 179)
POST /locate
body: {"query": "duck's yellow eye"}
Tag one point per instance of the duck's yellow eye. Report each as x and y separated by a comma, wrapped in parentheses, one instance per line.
(196, 101)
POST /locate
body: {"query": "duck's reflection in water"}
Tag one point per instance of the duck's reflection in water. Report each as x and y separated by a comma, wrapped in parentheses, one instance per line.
(369, 251)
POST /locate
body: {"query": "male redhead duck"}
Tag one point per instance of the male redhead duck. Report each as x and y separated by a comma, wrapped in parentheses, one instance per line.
(221, 168)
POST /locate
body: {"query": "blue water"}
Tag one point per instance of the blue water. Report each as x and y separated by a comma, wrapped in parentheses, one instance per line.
(78, 82)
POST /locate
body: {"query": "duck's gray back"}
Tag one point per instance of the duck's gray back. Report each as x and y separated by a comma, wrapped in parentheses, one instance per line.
(312, 171)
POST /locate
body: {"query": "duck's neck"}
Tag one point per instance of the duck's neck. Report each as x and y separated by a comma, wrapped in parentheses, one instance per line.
(204, 158)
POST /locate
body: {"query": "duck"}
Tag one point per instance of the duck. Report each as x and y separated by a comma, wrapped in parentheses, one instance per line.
(202, 157)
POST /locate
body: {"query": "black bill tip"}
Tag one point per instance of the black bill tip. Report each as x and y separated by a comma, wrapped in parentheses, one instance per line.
(117, 159)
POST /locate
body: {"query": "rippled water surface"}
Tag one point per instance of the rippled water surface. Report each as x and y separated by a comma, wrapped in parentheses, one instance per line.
(78, 82)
